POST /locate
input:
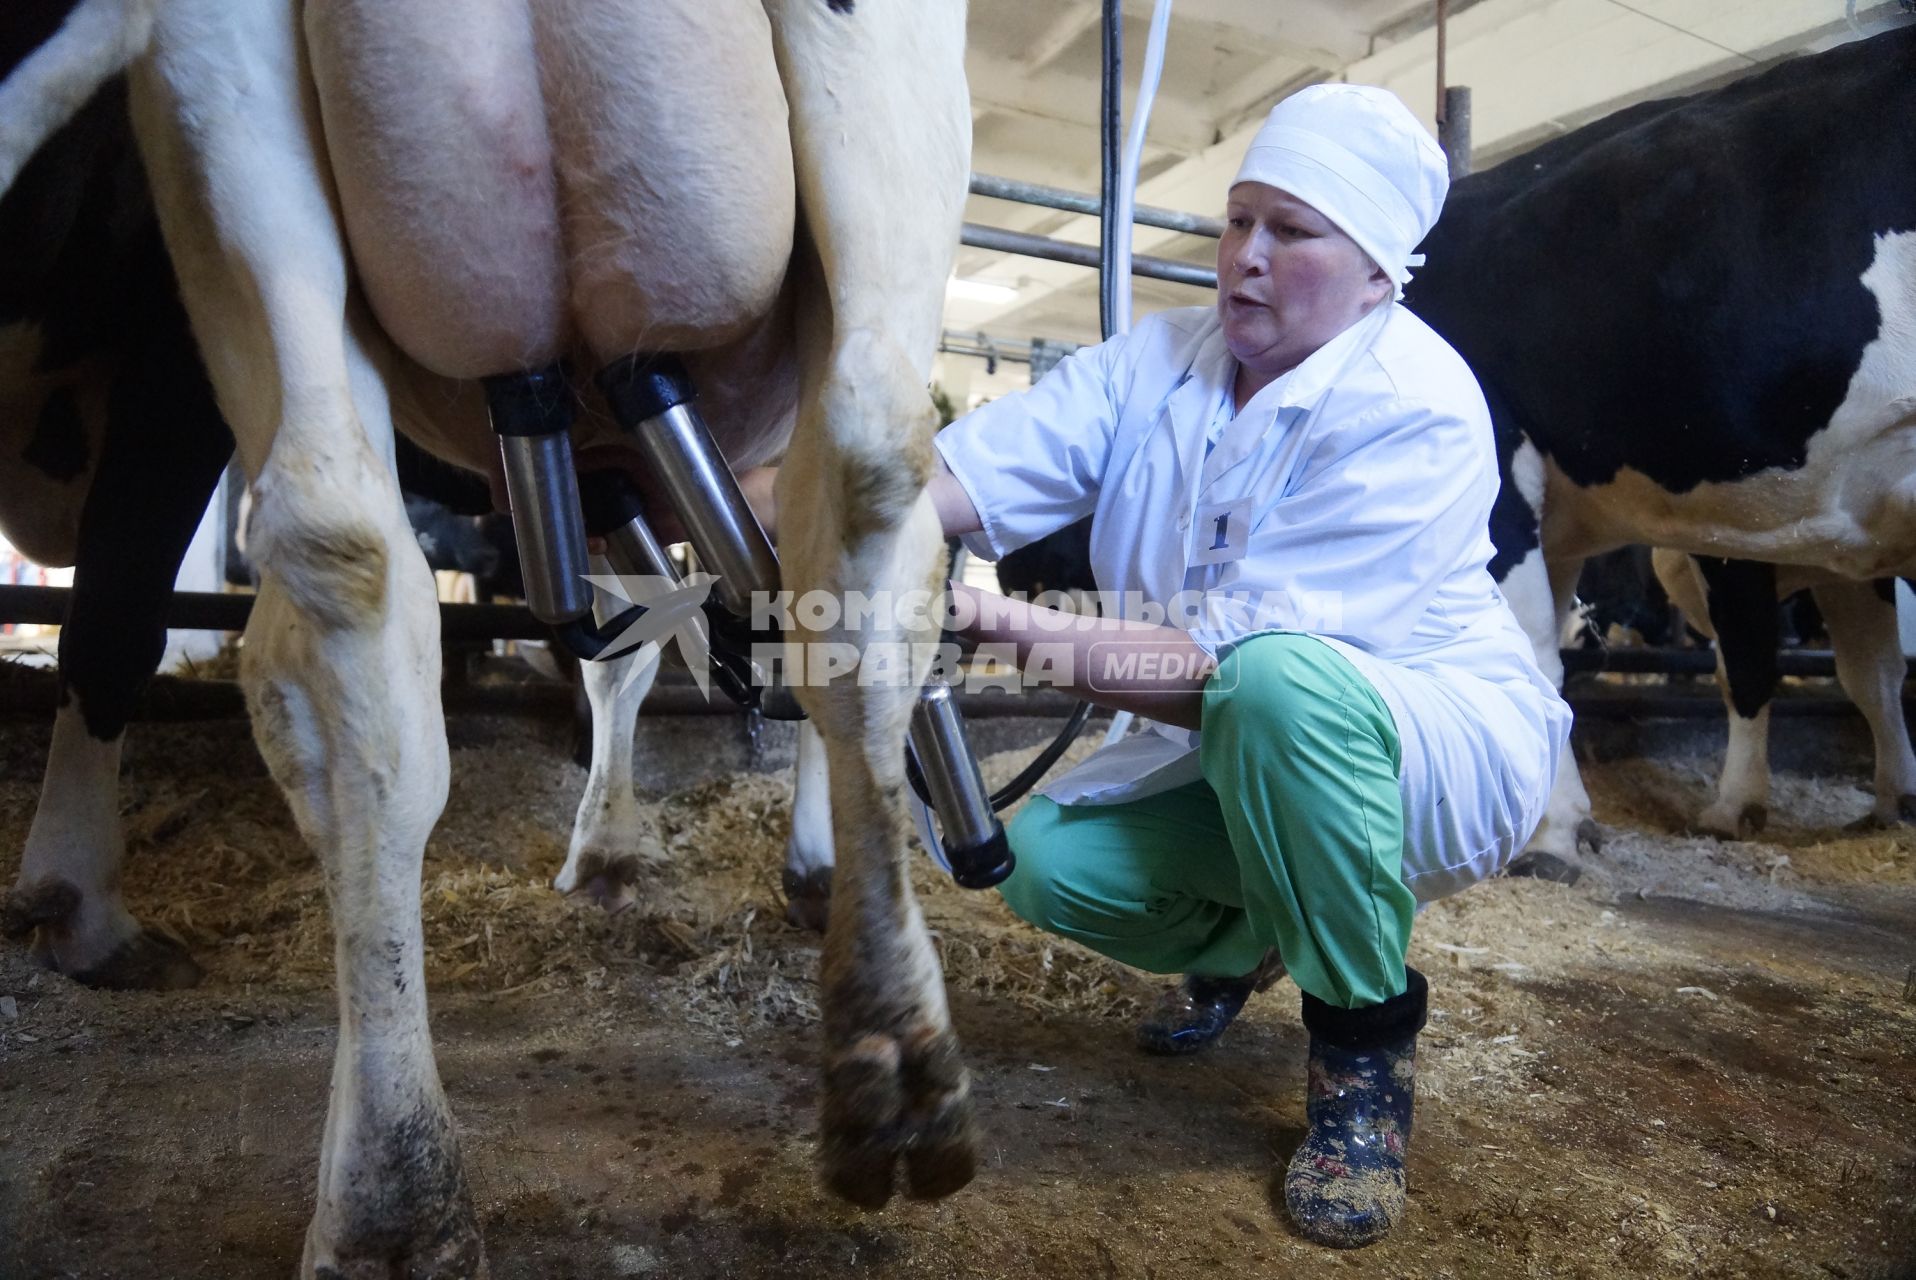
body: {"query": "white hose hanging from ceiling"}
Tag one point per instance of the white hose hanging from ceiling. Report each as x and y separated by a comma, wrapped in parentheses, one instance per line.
(1148, 79)
(1152, 72)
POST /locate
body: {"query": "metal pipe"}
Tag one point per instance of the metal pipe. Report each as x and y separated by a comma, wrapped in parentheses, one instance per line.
(1009, 351)
(1453, 131)
(1693, 662)
(217, 611)
(1144, 215)
(634, 549)
(1083, 255)
(531, 413)
(651, 399)
(613, 512)
(189, 699)
(974, 840)
(544, 492)
(1110, 156)
(681, 453)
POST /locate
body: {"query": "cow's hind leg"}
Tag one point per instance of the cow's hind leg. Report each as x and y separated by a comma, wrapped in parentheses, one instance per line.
(1738, 597)
(165, 447)
(808, 852)
(1861, 617)
(341, 664)
(879, 107)
(612, 838)
(1540, 597)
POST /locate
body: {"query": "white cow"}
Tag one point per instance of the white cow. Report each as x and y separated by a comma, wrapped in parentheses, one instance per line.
(521, 183)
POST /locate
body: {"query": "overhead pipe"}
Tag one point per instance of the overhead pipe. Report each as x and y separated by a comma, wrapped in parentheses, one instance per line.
(218, 611)
(1110, 163)
(1453, 106)
(1028, 245)
(1066, 201)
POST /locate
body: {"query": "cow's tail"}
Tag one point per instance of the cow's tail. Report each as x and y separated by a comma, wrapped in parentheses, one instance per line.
(53, 82)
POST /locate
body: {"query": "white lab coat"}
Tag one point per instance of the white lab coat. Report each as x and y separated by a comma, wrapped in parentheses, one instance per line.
(1350, 499)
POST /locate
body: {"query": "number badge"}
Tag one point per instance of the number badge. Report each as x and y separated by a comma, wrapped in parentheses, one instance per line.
(1221, 532)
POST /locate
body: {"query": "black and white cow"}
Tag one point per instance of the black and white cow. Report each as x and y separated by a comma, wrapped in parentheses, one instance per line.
(110, 447)
(1695, 323)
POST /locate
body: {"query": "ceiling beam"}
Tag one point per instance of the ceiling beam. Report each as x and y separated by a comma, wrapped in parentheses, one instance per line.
(999, 85)
(1316, 31)
(1073, 21)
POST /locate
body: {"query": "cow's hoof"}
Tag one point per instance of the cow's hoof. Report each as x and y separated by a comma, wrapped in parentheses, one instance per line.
(148, 961)
(1589, 837)
(409, 1215)
(453, 1251)
(1727, 823)
(891, 1097)
(1538, 864)
(808, 897)
(46, 903)
(145, 960)
(1903, 812)
(610, 880)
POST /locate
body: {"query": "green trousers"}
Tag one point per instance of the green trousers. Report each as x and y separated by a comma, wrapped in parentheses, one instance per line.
(1293, 840)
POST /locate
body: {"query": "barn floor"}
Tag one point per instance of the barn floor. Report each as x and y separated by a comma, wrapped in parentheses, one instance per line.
(1699, 1061)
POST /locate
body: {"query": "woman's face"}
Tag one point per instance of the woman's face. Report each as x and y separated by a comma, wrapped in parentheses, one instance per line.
(1288, 280)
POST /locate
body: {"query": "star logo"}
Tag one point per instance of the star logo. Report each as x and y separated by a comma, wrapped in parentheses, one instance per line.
(674, 613)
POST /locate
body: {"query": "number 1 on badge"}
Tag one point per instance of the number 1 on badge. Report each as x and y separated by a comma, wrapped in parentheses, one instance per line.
(1221, 532)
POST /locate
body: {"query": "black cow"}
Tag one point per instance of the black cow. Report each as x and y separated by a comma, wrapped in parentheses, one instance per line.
(1058, 561)
(1692, 322)
(110, 448)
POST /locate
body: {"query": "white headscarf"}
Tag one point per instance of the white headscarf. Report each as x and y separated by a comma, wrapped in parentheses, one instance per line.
(1359, 157)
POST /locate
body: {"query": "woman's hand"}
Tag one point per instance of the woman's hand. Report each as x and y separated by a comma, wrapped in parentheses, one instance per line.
(1154, 670)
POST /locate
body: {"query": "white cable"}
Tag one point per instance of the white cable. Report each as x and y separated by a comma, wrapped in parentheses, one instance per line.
(1134, 157)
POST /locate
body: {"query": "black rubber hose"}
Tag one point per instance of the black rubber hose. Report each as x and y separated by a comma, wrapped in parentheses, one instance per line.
(1110, 150)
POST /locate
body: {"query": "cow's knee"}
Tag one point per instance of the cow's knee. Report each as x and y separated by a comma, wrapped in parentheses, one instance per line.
(324, 529)
(879, 421)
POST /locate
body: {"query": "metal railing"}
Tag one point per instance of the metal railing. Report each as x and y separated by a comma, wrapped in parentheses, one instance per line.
(1144, 215)
(1083, 255)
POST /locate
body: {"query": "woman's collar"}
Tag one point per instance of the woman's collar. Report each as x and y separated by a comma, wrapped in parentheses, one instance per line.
(1304, 383)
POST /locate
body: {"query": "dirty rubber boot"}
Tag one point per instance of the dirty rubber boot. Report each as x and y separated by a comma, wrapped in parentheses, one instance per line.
(1195, 1013)
(1345, 1184)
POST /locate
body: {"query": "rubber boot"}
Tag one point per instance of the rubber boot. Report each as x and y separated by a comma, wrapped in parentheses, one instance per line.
(1195, 1013)
(1345, 1185)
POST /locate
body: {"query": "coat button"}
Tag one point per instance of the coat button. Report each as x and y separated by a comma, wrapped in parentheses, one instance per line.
(1184, 521)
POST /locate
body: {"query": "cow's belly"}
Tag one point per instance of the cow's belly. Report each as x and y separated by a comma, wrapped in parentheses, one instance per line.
(1852, 513)
(522, 179)
(1850, 508)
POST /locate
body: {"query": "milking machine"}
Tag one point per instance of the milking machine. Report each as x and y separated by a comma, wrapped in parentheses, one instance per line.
(554, 510)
